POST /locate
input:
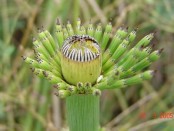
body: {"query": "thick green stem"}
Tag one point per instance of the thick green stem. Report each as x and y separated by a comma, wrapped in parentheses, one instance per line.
(83, 112)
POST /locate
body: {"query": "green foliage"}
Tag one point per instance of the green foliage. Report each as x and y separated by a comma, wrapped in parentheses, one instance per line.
(22, 97)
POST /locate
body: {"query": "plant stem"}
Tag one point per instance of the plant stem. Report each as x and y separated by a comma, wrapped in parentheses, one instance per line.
(83, 112)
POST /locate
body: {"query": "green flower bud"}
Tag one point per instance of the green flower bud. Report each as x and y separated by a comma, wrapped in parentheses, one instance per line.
(87, 59)
(81, 59)
(96, 92)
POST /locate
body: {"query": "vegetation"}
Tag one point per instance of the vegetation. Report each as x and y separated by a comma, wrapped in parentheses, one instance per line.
(27, 103)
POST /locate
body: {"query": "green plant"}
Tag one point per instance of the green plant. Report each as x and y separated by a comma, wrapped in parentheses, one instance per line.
(84, 61)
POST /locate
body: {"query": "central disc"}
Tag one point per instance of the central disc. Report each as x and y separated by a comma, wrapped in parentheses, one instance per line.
(81, 59)
(81, 48)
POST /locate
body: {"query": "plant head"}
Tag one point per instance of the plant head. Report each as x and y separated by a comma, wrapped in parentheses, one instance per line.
(86, 60)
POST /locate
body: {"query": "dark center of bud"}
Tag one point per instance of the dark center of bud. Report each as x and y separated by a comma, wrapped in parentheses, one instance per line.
(81, 48)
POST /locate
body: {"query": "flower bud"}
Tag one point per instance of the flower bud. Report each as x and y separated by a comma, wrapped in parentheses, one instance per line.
(81, 59)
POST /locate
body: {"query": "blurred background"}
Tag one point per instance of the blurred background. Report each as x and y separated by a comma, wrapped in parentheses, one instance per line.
(28, 103)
